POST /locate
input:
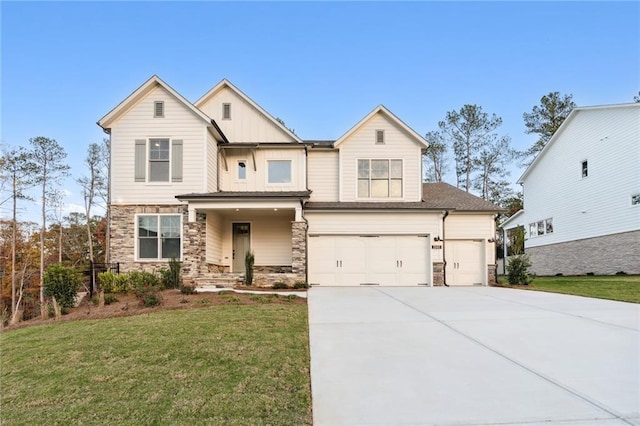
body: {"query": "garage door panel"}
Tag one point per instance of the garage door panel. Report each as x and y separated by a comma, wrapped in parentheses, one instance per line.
(465, 260)
(355, 260)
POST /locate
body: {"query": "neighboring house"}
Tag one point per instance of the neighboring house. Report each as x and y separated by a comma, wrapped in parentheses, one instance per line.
(209, 181)
(582, 195)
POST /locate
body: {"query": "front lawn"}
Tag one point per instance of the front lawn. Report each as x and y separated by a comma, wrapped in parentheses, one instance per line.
(625, 288)
(215, 365)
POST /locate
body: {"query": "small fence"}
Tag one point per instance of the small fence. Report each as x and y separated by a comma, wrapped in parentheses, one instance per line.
(96, 268)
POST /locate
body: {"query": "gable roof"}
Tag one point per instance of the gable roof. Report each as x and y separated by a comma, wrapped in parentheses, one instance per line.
(511, 218)
(226, 83)
(440, 195)
(383, 110)
(566, 123)
(142, 91)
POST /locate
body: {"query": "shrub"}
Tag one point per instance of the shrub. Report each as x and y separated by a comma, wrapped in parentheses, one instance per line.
(107, 280)
(300, 284)
(590, 274)
(109, 299)
(170, 278)
(61, 283)
(187, 289)
(559, 274)
(279, 285)
(249, 260)
(621, 273)
(518, 270)
(148, 296)
(141, 279)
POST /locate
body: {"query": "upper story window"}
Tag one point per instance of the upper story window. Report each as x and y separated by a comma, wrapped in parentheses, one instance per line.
(226, 111)
(541, 227)
(158, 109)
(242, 170)
(379, 178)
(158, 160)
(585, 168)
(279, 171)
(379, 136)
(635, 199)
(158, 237)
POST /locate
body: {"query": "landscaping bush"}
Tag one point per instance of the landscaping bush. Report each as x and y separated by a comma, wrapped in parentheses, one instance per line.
(518, 270)
(187, 289)
(300, 284)
(170, 278)
(148, 296)
(109, 299)
(249, 260)
(279, 285)
(62, 283)
(621, 273)
(141, 279)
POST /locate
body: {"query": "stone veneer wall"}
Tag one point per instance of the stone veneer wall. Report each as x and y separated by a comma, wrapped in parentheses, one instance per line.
(491, 274)
(299, 248)
(438, 274)
(122, 234)
(604, 255)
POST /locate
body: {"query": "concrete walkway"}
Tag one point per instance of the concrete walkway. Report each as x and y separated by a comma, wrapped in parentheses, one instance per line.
(472, 356)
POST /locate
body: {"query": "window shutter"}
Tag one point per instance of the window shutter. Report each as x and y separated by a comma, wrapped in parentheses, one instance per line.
(141, 159)
(176, 161)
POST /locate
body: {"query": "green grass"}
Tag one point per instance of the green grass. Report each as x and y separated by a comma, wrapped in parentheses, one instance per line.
(625, 288)
(218, 365)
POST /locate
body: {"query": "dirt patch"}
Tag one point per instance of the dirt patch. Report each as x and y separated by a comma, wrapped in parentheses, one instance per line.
(128, 305)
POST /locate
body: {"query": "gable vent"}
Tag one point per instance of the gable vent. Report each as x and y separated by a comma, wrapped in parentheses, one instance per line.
(158, 109)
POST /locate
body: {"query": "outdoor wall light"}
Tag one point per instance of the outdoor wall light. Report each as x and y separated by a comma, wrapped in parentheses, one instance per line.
(491, 240)
(437, 238)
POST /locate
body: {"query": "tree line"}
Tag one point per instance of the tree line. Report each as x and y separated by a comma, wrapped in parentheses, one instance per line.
(469, 140)
(27, 248)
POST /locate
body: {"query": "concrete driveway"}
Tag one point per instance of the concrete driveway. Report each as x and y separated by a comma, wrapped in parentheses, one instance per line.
(472, 356)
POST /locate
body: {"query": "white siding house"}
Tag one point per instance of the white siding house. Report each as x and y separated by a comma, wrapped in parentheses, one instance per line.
(211, 181)
(582, 195)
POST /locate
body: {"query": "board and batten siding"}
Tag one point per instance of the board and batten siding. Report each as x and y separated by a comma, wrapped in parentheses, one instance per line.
(257, 179)
(214, 239)
(323, 175)
(247, 124)
(397, 145)
(600, 204)
(212, 164)
(138, 123)
(270, 237)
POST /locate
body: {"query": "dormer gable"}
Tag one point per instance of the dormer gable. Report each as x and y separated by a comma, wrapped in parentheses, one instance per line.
(379, 136)
(242, 119)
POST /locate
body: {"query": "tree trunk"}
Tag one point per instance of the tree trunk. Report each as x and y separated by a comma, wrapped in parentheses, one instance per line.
(43, 308)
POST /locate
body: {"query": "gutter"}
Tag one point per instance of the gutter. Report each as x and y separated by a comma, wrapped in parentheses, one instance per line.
(444, 257)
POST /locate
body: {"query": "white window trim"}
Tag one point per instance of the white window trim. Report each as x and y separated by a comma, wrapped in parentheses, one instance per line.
(380, 198)
(155, 110)
(148, 160)
(136, 252)
(246, 170)
(586, 160)
(279, 184)
(544, 226)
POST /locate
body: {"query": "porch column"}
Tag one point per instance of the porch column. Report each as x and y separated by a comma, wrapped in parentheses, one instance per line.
(194, 247)
(299, 248)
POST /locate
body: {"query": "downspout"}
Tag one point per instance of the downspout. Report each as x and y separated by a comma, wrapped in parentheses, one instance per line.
(444, 257)
(306, 232)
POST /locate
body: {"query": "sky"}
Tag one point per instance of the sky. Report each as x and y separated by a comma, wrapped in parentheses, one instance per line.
(319, 66)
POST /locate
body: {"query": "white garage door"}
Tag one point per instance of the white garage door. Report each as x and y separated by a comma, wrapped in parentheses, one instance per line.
(368, 260)
(465, 260)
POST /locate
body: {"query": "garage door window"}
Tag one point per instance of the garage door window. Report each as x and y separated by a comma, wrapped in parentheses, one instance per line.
(379, 178)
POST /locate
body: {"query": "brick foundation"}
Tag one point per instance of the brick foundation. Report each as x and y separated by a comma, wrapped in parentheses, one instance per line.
(604, 255)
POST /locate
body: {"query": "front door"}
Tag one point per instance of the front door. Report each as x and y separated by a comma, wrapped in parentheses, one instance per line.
(241, 245)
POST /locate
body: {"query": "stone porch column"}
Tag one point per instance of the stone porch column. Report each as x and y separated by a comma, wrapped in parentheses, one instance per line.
(194, 246)
(299, 248)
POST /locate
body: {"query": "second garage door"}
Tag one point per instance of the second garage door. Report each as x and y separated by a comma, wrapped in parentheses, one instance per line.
(368, 260)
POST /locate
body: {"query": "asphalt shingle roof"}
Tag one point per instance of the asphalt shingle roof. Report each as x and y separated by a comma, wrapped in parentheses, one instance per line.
(444, 196)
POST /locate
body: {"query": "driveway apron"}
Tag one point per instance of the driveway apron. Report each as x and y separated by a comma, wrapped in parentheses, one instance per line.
(472, 356)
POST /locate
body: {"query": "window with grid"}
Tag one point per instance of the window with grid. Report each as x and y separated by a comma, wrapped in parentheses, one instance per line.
(379, 178)
(159, 236)
(158, 160)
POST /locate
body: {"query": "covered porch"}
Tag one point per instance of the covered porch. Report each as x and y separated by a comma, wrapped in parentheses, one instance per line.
(224, 226)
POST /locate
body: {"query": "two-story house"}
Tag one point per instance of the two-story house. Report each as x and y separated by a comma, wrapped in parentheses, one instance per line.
(582, 195)
(209, 181)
